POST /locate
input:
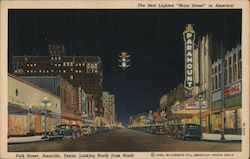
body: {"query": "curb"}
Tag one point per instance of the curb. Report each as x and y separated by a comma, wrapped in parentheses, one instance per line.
(222, 141)
(11, 143)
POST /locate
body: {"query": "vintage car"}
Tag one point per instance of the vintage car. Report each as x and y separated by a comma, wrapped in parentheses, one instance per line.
(66, 130)
(190, 131)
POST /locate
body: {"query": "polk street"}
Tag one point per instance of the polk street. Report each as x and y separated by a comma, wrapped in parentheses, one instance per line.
(124, 140)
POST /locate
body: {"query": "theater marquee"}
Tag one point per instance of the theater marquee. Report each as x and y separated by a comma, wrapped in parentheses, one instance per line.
(189, 37)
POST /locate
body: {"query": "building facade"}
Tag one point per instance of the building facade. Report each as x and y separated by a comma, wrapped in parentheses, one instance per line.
(109, 107)
(83, 72)
(65, 90)
(26, 110)
(232, 93)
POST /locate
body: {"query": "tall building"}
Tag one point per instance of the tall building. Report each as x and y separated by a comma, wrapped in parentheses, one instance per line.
(84, 72)
(109, 106)
(232, 93)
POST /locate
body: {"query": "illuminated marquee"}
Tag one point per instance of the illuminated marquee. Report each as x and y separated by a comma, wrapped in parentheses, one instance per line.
(189, 37)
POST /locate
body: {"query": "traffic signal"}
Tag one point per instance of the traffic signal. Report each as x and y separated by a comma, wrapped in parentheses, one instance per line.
(124, 61)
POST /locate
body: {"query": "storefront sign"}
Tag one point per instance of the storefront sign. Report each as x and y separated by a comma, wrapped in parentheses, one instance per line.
(232, 89)
(189, 37)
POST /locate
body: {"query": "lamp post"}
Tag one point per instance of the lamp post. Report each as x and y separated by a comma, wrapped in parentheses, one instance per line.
(200, 112)
(222, 94)
(45, 102)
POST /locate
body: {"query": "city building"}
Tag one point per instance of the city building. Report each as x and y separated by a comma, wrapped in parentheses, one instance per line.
(109, 108)
(183, 103)
(26, 108)
(163, 102)
(232, 93)
(63, 89)
(83, 72)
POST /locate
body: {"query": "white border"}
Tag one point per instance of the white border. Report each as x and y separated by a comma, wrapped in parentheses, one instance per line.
(119, 4)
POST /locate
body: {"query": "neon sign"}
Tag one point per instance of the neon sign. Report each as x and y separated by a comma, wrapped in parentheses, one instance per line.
(189, 37)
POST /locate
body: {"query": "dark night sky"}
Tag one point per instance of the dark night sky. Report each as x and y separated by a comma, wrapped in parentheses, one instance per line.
(153, 38)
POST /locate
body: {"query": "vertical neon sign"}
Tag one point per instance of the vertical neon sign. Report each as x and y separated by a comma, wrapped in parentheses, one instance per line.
(189, 37)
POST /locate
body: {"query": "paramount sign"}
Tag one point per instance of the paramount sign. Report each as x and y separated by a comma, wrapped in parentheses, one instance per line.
(189, 37)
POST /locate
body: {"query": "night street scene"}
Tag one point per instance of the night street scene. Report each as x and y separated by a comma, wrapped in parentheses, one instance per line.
(124, 80)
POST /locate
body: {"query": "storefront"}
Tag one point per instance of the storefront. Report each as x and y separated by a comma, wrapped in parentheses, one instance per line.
(232, 113)
(26, 110)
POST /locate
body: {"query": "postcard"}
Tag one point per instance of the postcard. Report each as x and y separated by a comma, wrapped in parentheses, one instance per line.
(124, 79)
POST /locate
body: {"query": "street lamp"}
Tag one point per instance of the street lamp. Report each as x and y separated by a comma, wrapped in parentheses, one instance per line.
(45, 102)
(200, 112)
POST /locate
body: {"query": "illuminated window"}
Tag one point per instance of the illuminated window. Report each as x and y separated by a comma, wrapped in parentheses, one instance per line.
(28, 71)
(71, 69)
(40, 71)
(55, 58)
(15, 71)
(80, 64)
(80, 71)
(64, 64)
(59, 71)
(76, 64)
(52, 58)
(76, 71)
(47, 71)
(52, 70)
(59, 64)
(28, 64)
(71, 63)
(64, 71)
(71, 77)
(67, 63)
(34, 64)
(83, 64)
(43, 71)
(59, 57)
(55, 64)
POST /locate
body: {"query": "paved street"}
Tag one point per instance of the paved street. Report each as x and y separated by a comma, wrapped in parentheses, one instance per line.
(125, 140)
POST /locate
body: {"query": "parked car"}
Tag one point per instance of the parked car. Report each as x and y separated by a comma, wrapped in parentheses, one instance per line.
(66, 130)
(76, 131)
(86, 130)
(160, 130)
(190, 131)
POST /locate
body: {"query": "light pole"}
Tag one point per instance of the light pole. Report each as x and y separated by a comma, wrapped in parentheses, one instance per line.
(45, 102)
(222, 93)
(200, 112)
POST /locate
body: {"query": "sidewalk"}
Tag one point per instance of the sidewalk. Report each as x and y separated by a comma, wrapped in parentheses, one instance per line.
(216, 137)
(19, 140)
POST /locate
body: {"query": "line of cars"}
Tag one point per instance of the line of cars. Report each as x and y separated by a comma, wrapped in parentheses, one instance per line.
(177, 131)
(75, 131)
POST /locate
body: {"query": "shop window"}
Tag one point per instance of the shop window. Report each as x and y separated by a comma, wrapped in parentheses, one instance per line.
(230, 119)
(239, 118)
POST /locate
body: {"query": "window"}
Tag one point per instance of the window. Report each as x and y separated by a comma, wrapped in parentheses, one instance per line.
(52, 70)
(76, 64)
(76, 71)
(59, 57)
(71, 63)
(71, 69)
(80, 71)
(83, 64)
(64, 63)
(34, 64)
(47, 71)
(31, 71)
(71, 77)
(40, 71)
(67, 63)
(80, 64)
(52, 58)
(59, 71)
(28, 64)
(64, 71)
(55, 64)
(59, 64)
(28, 71)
